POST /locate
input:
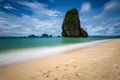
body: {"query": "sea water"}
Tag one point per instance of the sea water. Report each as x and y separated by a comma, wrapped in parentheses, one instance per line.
(22, 43)
(40, 47)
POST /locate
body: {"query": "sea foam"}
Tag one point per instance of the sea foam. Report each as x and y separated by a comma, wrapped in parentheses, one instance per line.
(34, 53)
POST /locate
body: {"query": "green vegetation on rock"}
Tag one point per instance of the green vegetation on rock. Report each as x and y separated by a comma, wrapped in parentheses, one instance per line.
(71, 25)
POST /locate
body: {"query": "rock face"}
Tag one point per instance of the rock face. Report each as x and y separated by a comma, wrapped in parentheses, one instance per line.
(71, 25)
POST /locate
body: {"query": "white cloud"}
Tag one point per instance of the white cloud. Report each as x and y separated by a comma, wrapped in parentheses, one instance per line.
(84, 20)
(103, 24)
(8, 7)
(27, 25)
(111, 27)
(85, 7)
(110, 5)
(109, 8)
(43, 20)
(39, 8)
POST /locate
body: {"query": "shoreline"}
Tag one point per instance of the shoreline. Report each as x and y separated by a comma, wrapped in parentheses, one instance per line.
(98, 62)
(12, 57)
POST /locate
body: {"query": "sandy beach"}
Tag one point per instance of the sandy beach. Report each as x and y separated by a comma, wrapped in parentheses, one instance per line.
(95, 62)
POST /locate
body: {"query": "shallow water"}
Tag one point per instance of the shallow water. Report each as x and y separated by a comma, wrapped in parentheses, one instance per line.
(21, 43)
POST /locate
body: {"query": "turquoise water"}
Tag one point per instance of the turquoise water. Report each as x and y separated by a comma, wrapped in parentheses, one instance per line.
(21, 43)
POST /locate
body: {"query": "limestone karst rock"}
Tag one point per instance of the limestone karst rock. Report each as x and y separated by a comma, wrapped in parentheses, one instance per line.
(71, 25)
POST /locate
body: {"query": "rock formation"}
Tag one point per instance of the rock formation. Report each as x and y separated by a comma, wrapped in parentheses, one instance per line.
(44, 35)
(71, 25)
(32, 36)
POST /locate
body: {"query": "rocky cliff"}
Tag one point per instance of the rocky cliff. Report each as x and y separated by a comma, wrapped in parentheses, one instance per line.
(71, 25)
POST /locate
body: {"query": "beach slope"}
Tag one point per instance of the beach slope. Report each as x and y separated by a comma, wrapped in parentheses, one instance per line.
(96, 62)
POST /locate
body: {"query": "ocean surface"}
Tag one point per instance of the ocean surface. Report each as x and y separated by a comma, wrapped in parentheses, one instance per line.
(22, 43)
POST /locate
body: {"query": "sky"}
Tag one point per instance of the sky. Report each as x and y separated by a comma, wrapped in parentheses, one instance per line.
(36, 17)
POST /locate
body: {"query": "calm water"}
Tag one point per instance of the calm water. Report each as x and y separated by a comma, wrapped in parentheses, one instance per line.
(19, 43)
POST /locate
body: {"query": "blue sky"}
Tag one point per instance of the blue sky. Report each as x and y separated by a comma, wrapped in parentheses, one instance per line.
(27, 17)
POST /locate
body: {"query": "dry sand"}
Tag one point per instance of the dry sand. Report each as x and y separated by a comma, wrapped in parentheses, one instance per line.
(98, 62)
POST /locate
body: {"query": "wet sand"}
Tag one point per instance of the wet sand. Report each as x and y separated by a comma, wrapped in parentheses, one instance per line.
(97, 62)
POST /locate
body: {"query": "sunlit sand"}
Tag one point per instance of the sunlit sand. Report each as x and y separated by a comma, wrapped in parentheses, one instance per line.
(96, 62)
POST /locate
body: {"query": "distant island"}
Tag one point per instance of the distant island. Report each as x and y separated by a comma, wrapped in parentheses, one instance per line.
(46, 35)
(71, 25)
(43, 35)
